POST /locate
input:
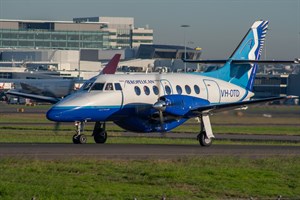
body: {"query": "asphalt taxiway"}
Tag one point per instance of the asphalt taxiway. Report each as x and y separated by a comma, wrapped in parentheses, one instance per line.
(140, 151)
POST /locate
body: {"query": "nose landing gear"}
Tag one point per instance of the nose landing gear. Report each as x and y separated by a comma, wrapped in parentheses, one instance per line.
(79, 138)
(99, 133)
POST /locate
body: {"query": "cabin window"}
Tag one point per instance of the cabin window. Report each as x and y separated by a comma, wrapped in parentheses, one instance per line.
(155, 90)
(168, 89)
(137, 90)
(109, 86)
(197, 89)
(187, 89)
(178, 89)
(98, 86)
(146, 90)
(118, 86)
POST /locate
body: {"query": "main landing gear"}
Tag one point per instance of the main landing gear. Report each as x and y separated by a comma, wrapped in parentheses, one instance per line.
(206, 135)
(99, 133)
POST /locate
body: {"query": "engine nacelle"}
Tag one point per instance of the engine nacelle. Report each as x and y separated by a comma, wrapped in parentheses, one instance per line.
(180, 105)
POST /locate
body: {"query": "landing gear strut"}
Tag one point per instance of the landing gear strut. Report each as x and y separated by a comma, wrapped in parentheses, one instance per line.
(99, 133)
(205, 136)
(79, 138)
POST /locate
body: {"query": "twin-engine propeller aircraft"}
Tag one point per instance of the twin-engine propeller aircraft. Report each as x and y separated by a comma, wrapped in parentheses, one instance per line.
(161, 102)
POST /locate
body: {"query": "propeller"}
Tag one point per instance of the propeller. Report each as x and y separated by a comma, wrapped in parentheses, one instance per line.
(160, 106)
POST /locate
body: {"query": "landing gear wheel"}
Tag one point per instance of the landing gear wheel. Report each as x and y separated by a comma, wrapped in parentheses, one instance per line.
(79, 139)
(75, 139)
(82, 139)
(99, 133)
(204, 140)
(100, 136)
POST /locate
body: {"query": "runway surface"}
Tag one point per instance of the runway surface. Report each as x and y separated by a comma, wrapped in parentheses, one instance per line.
(229, 136)
(140, 151)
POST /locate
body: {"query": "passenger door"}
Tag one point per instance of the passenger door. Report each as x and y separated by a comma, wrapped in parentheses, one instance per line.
(213, 91)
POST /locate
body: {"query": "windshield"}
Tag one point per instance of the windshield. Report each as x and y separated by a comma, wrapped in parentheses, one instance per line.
(87, 85)
(97, 86)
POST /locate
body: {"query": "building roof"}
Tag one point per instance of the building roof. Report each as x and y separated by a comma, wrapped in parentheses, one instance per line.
(165, 46)
(47, 21)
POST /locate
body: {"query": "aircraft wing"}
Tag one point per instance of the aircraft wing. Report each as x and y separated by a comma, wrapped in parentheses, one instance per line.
(236, 105)
(34, 96)
(30, 88)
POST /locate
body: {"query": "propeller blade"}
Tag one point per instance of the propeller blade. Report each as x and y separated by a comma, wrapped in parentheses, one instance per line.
(160, 106)
(161, 117)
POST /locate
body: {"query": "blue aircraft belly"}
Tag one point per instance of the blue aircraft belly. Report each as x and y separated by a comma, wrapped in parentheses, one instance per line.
(137, 124)
(87, 113)
(132, 117)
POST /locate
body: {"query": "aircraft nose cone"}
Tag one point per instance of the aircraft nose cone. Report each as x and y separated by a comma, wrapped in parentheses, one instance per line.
(53, 114)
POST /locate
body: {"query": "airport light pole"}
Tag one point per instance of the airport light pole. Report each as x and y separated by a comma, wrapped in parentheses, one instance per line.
(184, 26)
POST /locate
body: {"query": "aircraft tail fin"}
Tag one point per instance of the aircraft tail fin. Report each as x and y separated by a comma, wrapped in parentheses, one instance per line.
(250, 48)
(112, 65)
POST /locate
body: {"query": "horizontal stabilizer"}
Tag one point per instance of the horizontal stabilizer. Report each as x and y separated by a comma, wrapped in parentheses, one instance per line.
(265, 61)
(33, 96)
(296, 61)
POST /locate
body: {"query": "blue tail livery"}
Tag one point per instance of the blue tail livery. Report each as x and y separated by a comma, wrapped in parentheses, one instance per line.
(250, 48)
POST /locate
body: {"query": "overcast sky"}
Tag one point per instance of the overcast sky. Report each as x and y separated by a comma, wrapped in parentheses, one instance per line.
(217, 26)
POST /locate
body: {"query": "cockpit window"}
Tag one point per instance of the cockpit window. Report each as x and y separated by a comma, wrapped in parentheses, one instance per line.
(87, 85)
(98, 86)
(109, 86)
(118, 86)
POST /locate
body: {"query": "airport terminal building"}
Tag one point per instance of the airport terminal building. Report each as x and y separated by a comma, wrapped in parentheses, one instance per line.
(81, 33)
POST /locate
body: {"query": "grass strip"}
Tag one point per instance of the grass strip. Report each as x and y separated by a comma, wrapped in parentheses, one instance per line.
(185, 178)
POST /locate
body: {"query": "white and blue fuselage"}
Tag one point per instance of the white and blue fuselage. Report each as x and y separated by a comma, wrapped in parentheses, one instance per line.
(128, 99)
(161, 102)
